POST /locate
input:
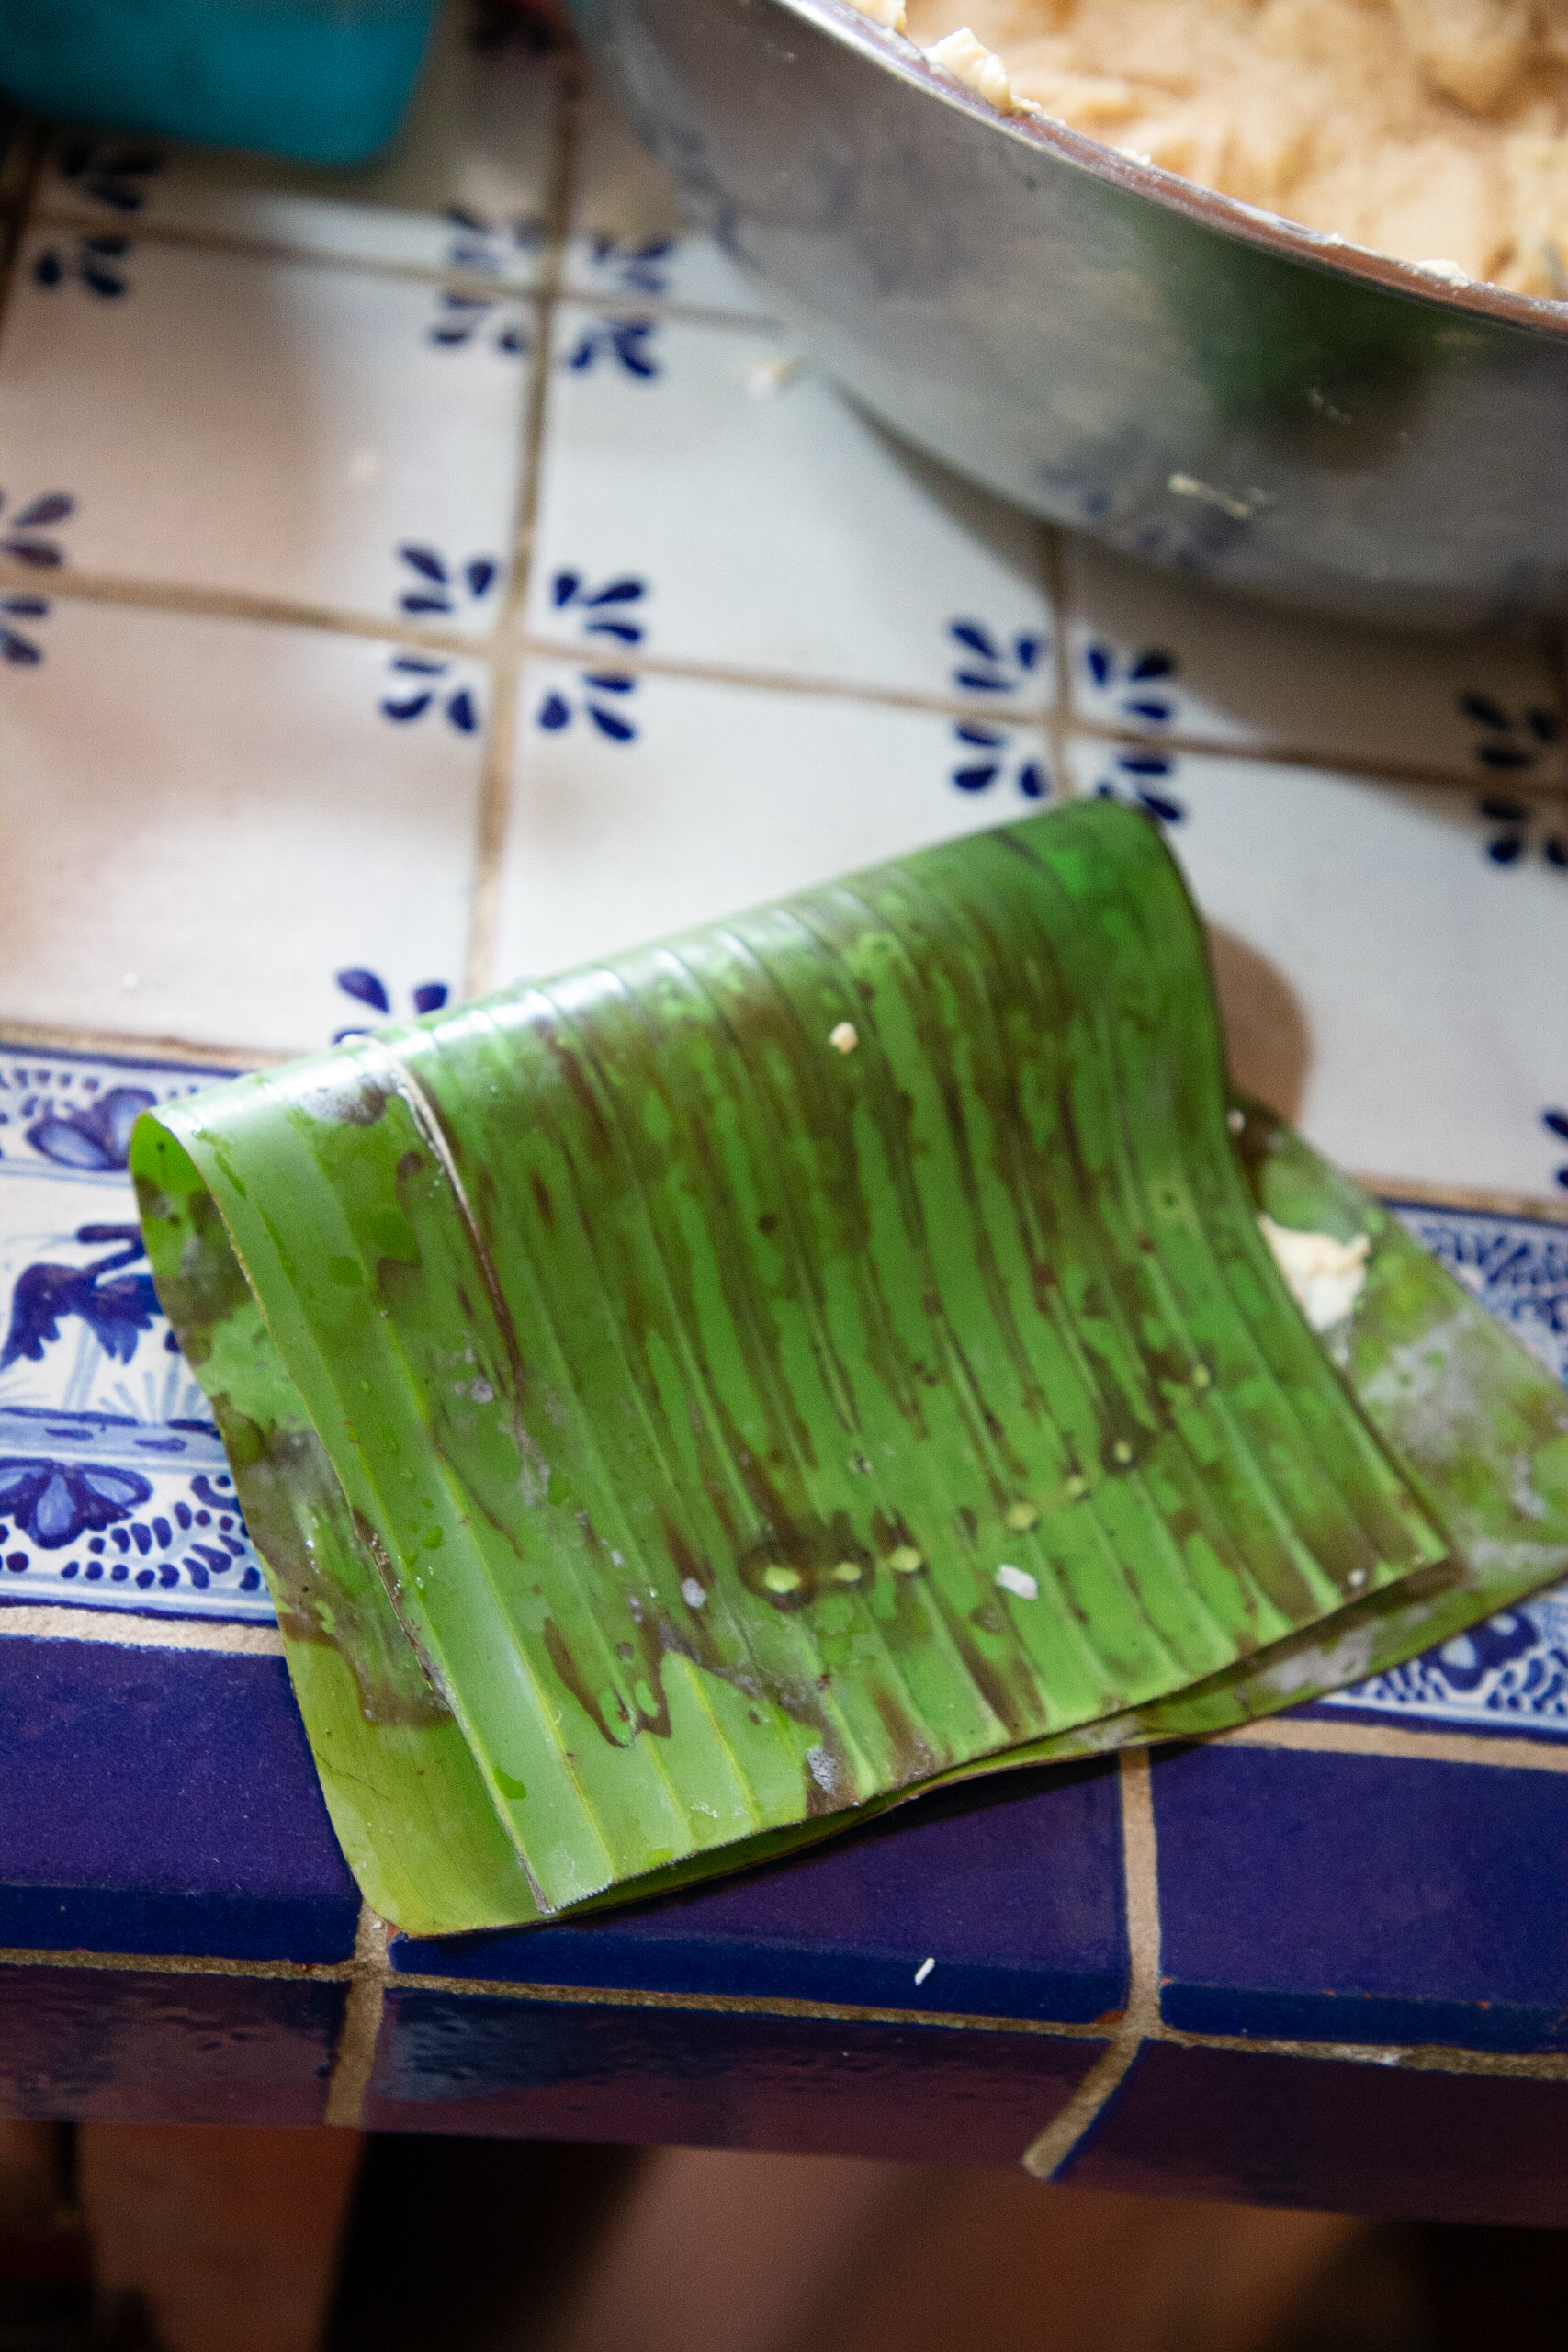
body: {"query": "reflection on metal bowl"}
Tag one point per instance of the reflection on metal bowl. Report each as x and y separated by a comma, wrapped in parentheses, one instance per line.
(1190, 380)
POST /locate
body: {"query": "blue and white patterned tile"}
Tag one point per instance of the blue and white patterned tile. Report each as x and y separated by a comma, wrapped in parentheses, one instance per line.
(463, 185)
(1388, 983)
(640, 812)
(626, 236)
(785, 534)
(1511, 1674)
(216, 821)
(235, 422)
(1517, 1266)
(114, 1490)
(1166, 655)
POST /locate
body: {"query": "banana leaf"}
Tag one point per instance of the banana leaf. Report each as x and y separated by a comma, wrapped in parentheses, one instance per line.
(692, 1403)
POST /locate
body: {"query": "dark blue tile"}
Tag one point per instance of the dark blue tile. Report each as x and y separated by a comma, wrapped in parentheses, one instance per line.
(1263, 2129)
(148, 2046)
(1013, 1887)
(705, 2077)
(1364, 1898)
(163, 1800)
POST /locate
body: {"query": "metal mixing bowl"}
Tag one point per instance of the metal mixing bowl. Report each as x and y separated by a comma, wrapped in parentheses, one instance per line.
(1188, 379)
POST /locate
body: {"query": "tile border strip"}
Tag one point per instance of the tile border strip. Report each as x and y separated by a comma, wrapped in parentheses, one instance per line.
(47, 1621)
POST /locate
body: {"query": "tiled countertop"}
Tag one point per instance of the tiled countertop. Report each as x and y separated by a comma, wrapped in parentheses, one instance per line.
(416, 579)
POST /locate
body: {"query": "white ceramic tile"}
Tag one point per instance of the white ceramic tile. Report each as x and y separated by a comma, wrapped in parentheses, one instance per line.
(627, 237)
(206, 821)
(775, 529)
(1164, 654)
(463, 185)
(1389, 980)
(238, 423)
(708, 799)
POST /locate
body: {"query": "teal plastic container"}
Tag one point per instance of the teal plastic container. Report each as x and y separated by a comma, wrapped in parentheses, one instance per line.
(324, 81)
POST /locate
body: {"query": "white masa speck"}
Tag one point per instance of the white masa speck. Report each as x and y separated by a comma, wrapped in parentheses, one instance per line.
(1324, 1276)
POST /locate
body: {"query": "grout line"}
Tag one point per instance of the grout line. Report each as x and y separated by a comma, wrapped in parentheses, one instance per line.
(1340, 762)
(1053, 2147)
(1140, 1863)
(1431, 2057)
(244, 604)
(790, 682)
(1416, 2058)
(439, 276)
(355, 2056)
(751, 2005)
(1391, 1741)
(174, 1964)
(511, 642)
(369, 1973)
(124, 1629)
(502, 646)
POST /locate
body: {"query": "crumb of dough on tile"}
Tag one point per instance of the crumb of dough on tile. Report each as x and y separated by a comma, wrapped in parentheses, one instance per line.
(1421, 128)
(888, 13)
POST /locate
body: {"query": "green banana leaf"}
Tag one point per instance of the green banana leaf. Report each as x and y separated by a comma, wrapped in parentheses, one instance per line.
(690, 1404)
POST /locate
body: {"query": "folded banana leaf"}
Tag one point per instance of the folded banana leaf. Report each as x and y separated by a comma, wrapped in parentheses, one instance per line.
(692, 1403)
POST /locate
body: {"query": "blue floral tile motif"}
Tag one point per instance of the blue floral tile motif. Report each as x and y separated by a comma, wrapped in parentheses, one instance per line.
(425, 682)
(1136, 680)
(108, 172)
(1142, 698)
(114, 1491)
(1512, 1673)
(601, 690)
(116, 1307)
(989, 664)
(482, 248)
(441, 586)
(439, 589)
(94, 263)
(1138, 779)
(367, 988)
(1520, 831)
(622, 265)
(987, 757)
(83, 1523)
(1509, 742)
(625, 344)
(1556, 1124)
(27, 536)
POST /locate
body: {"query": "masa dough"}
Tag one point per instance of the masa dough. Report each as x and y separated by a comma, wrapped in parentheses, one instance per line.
(1430, 129)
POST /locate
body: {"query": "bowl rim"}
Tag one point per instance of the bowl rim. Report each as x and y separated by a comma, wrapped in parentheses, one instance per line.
(844, 23)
